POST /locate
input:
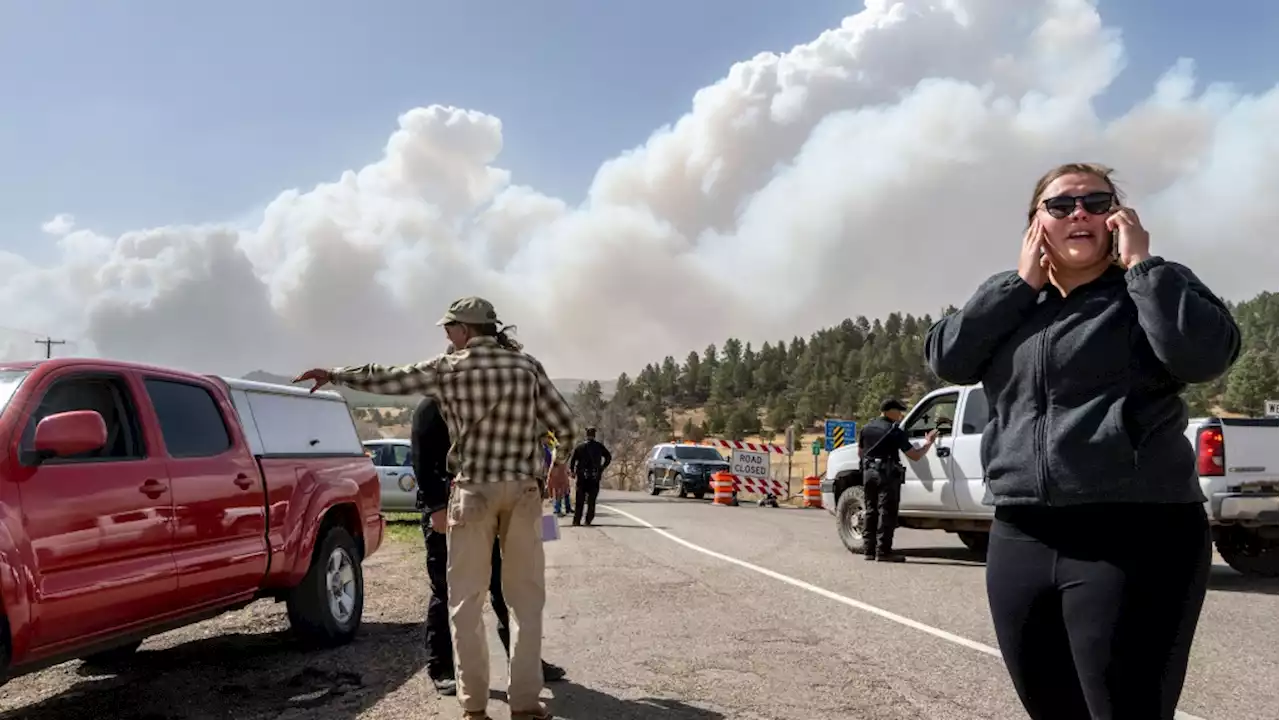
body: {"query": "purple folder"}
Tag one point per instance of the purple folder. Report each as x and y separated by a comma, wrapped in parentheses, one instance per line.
(550, 528)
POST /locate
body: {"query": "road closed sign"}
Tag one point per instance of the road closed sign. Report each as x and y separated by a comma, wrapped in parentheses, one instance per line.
(749, 464)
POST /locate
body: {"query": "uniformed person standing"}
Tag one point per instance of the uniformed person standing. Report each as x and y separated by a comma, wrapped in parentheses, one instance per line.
(882, 474)
(586, 466)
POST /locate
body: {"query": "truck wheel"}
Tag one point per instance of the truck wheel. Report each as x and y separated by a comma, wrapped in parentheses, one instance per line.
(653, 485)
(1247, 550)
(113, 658)
(680, 489)
(326, 607)
(850, 519)
(975, 541)
(699, 494)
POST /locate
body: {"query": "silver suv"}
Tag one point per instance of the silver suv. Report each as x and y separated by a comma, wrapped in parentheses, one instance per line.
(684, 468)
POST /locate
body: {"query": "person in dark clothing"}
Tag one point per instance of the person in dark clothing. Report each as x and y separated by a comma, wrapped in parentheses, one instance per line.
(1100, 549)
(430, 442)
(882, 475)
(587, 465)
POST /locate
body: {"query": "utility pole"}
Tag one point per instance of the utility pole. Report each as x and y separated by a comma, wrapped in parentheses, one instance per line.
(48, 344)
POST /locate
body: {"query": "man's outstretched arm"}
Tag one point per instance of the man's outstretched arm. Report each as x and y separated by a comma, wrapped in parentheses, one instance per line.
(416, 379)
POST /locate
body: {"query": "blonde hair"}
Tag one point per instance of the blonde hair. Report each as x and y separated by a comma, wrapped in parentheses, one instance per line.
(1098, 170)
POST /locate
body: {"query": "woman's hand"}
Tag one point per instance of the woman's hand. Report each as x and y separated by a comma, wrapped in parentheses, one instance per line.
(1133, 242)
(1033, 264)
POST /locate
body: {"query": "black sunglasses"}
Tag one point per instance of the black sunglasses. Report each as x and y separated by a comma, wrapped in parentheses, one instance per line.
(1096, 203)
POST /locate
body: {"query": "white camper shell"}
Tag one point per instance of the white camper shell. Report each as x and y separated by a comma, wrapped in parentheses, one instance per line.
(285, 421)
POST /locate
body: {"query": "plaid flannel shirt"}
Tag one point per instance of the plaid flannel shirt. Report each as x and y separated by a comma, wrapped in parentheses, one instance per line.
(496, 402)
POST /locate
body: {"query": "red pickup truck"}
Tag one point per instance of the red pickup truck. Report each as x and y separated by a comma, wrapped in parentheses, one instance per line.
(137, 499)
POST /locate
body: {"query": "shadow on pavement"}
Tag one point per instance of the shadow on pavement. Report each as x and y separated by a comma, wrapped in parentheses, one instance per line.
(963, 557)
(243, 675)
(575, 702)
(639, 500)
(599, 524)
(1225, 579)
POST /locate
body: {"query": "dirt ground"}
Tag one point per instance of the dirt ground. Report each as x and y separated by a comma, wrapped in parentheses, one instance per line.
(244, 665)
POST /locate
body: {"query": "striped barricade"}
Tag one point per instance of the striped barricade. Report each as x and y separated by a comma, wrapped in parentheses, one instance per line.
(813, 492)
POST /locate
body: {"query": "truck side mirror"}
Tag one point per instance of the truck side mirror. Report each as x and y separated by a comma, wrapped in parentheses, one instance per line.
(69, 433)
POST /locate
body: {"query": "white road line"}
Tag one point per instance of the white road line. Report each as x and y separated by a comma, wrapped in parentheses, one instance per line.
(892, 616)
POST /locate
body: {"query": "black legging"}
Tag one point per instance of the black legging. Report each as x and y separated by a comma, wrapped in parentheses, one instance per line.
(1095, 607)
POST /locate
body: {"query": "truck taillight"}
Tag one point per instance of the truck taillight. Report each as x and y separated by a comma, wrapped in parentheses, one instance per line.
(1210, 458)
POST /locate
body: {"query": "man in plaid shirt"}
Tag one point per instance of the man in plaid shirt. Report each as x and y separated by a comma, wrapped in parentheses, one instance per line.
(497, 402)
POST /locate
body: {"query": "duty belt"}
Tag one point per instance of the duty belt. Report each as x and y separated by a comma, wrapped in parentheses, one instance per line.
(882, 462)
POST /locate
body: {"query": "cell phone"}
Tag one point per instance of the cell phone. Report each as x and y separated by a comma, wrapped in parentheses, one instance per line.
(1115, 244)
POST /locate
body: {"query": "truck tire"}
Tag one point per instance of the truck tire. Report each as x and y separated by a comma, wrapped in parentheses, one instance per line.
(1247, 550)
(975, 541)
(326, 607)
(653, 485)
(681, 490)
(113, 658)
(850, 516)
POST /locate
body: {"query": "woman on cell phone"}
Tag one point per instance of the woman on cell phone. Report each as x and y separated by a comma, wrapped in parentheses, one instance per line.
(1100, 550)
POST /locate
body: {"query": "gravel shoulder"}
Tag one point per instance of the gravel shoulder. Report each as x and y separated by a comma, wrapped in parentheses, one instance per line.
(245, 665)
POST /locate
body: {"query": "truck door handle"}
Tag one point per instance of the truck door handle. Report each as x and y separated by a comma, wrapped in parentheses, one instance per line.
(393, 474)
(943, 451)
(243, 482)
(153, 488)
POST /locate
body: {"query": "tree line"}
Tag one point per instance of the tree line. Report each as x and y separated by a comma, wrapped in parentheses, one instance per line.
(845, 371)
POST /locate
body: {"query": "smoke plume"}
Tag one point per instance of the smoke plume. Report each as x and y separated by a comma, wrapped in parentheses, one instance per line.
(886, 165)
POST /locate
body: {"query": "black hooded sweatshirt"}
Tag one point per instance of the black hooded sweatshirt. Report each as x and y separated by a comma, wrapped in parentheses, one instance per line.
(1084, 390)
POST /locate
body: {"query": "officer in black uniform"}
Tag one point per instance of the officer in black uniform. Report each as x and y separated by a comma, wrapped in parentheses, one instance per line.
(429, 440)
(587, 465)
(882, 474)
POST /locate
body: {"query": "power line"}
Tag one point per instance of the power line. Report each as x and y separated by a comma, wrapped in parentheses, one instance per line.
(48, 344)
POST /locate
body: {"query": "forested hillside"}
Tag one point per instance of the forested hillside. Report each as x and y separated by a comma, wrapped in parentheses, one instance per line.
(845, 371)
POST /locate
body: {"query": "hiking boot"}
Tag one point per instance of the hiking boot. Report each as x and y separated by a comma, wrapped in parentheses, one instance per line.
(445, 685)
(890, 557)
(868, 557)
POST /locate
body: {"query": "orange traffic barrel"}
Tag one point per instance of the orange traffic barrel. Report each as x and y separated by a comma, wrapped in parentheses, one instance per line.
(722, 488)
(813, 492)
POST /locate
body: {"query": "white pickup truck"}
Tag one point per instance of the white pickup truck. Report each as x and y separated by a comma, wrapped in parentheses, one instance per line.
(944, 490)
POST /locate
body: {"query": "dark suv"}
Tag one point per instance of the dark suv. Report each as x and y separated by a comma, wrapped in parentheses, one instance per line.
(686, 469)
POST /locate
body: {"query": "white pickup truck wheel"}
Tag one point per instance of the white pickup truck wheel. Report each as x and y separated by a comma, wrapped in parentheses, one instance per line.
(851, 518)
(326, 607)
(1247, 550)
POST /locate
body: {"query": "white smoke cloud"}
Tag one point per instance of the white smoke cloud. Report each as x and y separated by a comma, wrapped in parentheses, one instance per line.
(59, 224)
(884, 166)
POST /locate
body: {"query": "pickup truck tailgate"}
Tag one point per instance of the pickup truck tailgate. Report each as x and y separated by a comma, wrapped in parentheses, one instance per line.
(1251, 452)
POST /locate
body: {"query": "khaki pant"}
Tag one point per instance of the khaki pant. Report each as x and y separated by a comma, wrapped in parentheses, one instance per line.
(512, 511)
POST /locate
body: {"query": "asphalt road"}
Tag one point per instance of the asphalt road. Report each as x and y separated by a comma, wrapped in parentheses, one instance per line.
(645, 622)
(666, 608)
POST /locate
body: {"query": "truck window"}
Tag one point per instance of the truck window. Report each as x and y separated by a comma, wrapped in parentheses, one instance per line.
(109, 396)
(977, 413)
(190, 420)
(400, 455)
(937, 414)
(698, 453)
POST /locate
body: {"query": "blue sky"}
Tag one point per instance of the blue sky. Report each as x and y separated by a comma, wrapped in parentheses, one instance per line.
(144, 113)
